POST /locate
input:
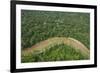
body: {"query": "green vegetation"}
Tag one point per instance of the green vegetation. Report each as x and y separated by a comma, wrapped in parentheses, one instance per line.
(41, 25)
(37, 26)
(57, 53)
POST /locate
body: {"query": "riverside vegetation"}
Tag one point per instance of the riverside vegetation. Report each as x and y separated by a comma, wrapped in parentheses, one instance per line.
(37, 26)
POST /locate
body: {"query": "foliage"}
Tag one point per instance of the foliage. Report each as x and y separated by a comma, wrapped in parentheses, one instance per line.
(37, 26)
(57, 53)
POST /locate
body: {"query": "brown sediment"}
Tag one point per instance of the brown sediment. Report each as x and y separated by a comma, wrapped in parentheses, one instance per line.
(43, 45)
